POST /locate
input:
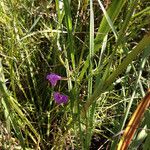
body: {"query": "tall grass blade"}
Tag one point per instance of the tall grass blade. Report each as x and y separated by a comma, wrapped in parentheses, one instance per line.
(69, 29)
(108, 19)
(90, 118)
(113, 12)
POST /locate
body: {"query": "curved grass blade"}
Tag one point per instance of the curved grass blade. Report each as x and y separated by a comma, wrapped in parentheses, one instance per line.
(133, 123)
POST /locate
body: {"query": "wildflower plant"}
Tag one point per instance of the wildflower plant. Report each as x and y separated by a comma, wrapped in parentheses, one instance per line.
(58, 97)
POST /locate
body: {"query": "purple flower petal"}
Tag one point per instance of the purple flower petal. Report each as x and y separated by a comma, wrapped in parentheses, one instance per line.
(60, 98)
(53, 78)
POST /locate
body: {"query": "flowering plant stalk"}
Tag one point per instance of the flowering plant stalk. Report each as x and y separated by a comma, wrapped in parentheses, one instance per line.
(58, 97)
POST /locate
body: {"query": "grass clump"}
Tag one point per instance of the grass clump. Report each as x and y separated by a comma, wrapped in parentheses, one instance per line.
(101, 51)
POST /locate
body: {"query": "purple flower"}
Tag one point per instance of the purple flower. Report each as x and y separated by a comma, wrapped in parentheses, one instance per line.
(60, 98)
(53, 78)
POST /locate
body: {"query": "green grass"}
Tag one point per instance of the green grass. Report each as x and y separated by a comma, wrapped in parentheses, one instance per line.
(103, 54)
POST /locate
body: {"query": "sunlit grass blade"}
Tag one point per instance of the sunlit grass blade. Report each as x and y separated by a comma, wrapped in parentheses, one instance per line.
(113, 12)
(90, 121)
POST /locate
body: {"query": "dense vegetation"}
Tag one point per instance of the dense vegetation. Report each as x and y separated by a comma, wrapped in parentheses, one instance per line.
(99, 49)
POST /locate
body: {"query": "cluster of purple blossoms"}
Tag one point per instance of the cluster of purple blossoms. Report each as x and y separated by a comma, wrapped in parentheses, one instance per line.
(59, 98)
